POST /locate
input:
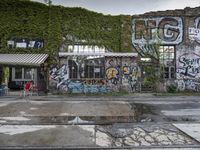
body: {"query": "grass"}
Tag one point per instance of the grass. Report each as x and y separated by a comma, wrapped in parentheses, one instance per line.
(178, 94)
(125, 93)
(121, 93)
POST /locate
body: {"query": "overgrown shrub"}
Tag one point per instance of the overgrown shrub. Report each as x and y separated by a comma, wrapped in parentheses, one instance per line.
(171, 89)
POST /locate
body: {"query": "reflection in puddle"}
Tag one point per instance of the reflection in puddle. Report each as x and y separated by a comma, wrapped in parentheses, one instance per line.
(78, 120)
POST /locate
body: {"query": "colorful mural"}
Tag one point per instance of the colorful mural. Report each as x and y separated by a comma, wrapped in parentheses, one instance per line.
(122, 73)
(130, 74)
(119, 73)
(81, 86)
(112, 70)
(60, 80)
(112, 75)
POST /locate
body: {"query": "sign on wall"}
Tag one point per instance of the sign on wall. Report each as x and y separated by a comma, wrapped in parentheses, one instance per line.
(26, 43)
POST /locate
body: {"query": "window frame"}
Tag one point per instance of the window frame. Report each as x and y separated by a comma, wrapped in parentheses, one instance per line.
(164, 61)
(34, 71)
(89, 70)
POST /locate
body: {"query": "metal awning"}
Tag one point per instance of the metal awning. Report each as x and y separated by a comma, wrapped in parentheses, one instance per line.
(23, 59)
(65, 54)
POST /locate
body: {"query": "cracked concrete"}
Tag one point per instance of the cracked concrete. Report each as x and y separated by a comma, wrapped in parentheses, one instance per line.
(116, 135)
(140, 135)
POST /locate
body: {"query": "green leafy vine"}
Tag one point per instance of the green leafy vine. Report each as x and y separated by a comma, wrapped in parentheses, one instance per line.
(58, 25)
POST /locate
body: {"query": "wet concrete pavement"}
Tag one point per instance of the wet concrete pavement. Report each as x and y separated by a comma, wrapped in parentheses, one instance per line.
(65, 112)
(191, 129)
(58, 121)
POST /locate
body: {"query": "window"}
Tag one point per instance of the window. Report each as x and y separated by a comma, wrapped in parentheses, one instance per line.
(94, 68)
(87, 68)
(23, 74)
(146, 59)
(167, 59)
(172, 72)
(85, 49)
(18, 73)
(73, 69)
(167, 55)
(28, 73)
(10, 44)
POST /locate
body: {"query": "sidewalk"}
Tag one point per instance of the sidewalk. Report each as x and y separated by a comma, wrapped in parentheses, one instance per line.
(101, 97)
(191, 129)
(126, 97)
(110, 136)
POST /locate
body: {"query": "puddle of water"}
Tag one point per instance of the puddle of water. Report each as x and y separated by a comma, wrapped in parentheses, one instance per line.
(138, 113)
(141, 112)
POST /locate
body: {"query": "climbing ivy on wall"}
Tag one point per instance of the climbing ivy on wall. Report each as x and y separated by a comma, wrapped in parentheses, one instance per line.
(93, 28)
(22, 19)
(58, 25)
(126, 33)
(54, 36)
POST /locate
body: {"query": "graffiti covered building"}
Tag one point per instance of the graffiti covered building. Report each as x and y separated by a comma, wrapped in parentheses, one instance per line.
(95, 73)
(89, 52)
(178, 34)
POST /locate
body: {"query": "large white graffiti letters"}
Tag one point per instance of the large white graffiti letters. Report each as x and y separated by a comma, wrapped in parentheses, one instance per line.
(163, 30)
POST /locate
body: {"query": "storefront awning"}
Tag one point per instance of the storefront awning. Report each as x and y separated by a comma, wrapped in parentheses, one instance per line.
(65, 54)
(23, 59)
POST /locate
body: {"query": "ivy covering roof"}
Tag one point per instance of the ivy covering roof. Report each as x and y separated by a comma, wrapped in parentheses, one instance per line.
(58, 25)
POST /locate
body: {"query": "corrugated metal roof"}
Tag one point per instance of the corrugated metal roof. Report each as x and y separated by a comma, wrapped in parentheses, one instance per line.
(23, 59)
(64, 54)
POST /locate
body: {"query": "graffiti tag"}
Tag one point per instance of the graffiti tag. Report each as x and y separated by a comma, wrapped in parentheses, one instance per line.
(131, 74)
(188, 84)
(194, 32)
(188, 65)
